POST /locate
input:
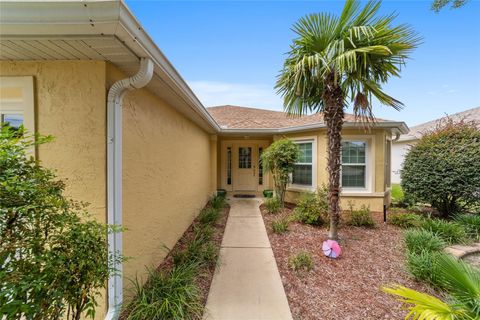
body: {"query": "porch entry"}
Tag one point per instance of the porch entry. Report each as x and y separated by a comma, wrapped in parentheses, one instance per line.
(243, 168)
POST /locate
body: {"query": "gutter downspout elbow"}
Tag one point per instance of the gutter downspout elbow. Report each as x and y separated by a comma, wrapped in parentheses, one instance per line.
(397, 136)
(114, 176)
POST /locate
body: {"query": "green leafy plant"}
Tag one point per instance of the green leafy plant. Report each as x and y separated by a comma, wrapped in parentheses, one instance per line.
(167, 295)
(312, 208)
(471, 224)
(450, 232)
(53, 255)
(459, 280)
(280, 225)
(404, 220)
(209, 215)
(360, 218)
(279, 159)
(442, 168)
(417, 240)
(217, 201)
(302, 261)
(335, 60)
(423, 266)
(273, 205)
(268, 193)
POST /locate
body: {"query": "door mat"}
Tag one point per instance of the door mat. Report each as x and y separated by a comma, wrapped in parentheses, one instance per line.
(244, 196)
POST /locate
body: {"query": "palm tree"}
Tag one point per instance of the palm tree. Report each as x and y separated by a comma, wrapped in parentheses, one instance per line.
(335, 60)
(459, 280)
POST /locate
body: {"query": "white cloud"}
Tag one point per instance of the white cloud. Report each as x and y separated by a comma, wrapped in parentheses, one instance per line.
(215, 93)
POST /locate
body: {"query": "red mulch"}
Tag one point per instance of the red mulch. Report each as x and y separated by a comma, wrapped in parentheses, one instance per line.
(347, 287)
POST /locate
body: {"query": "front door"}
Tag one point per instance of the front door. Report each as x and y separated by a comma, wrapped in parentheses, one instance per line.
(246, 168)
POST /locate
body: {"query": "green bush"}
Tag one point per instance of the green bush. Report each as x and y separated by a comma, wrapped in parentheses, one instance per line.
(273, 205)
(417, 240)
(209, 215)
(423, 266)
(471, 223)
(442, 168)
(405, 220)
(279, 159)
(167, 295)
(217, 202)
(200, 250)
(53, 255)
(222, 193)
(312, 208)
(280, 225)
(450, 232)
(301, 261)
(360, 218)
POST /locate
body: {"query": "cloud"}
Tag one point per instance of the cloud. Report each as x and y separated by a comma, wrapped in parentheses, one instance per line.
(445, 89)
(214, 93)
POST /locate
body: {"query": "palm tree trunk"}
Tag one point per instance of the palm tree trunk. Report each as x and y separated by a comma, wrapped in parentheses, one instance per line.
(333, 115)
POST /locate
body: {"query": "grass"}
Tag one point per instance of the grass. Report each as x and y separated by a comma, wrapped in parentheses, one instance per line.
(422, 266)
(302, 261)
(418, 240)
(471, 224)
(405, 220)
(280, 225)
(450, 232)
(397, 193)
(273, 205)
(174, 294)
(360, 218)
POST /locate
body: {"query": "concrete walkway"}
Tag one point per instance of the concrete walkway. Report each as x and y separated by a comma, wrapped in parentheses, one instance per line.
(246, 284)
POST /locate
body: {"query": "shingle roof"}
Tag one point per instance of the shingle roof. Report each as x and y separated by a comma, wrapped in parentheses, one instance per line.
(236, 117)
(417, 131)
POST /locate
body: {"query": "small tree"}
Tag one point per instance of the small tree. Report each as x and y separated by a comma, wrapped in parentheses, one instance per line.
(279, 159)
(443, 168)
(53, 257)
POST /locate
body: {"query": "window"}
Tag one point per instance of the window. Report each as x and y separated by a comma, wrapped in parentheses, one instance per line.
(260, 166)
(229, 165)
(354, 164)
(244, 157)
(303, 170)
(16, 102)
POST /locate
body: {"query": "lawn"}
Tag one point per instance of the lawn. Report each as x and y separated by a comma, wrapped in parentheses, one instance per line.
(348, 287)
(397, 192)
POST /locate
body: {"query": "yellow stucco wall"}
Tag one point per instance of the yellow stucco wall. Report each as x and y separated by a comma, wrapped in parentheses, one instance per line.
(70, 105)
(167, 177)
(376, 197)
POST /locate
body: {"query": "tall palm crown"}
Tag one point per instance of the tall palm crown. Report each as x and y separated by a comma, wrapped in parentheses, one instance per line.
(335, 60)
(358, 51)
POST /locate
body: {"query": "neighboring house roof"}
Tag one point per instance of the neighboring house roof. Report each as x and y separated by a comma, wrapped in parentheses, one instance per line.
(416, 132)
(107, 30)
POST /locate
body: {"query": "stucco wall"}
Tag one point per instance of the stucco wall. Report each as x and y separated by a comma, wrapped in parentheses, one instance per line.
(167, 177)
(70, 105)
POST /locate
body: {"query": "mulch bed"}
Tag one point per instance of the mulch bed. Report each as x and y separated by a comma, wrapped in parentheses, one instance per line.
(204, 279)
(347, 287)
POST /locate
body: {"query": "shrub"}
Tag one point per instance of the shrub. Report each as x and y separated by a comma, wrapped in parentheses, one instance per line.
(360, 218)
(280, 225)
(279, 159)
(167, 295)
(471, 223)
(301, 261)
(450, 232)
(422, 266)
(53, 256)
(417, 240)
(312, 208)
(405, 220)
(273, 205)
(217, 202)
(200, 250)
(442, 167)
(209, 215)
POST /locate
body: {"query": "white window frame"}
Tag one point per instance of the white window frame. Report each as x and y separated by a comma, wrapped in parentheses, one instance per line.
(25, 106)
(369, 165)
(301, 187)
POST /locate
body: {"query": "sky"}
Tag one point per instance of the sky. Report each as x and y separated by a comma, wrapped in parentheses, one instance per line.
(230, 52)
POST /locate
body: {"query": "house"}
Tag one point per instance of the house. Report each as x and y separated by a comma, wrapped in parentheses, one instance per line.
(401, 146)
(133, 140)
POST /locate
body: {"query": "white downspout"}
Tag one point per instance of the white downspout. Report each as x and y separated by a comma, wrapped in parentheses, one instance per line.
(114, 175)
